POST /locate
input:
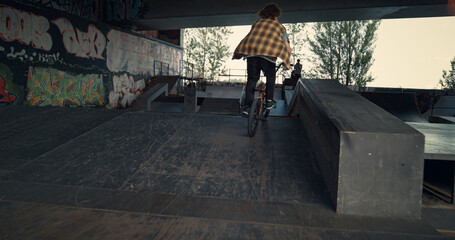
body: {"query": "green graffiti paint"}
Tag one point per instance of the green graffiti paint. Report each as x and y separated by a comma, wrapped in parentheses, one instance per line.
(48, 86)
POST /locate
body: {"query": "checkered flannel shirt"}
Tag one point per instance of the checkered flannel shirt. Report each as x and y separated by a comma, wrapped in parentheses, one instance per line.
(265, 38)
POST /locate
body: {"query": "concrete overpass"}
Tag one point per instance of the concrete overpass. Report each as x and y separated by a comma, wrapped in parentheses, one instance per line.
(159, 15)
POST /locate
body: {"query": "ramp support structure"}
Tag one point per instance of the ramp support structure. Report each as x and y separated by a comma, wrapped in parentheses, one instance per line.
(144, 101)
(190, 100)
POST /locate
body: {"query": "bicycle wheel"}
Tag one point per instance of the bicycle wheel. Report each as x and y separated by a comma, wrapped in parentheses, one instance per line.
(253, 119)
(266, 114)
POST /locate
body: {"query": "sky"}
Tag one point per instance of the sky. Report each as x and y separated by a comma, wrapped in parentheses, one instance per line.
(409, 53)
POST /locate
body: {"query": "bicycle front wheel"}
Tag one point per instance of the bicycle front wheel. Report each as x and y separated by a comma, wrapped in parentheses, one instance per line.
(253, 119)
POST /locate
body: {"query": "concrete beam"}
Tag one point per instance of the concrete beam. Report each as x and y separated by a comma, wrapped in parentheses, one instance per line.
(208, 13)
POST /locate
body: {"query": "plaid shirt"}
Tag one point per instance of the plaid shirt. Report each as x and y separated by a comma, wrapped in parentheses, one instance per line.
(264, 38)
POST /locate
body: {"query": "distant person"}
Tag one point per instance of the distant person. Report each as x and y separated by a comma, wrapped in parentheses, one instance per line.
(297, 70)
(266, 41)
(295, 75)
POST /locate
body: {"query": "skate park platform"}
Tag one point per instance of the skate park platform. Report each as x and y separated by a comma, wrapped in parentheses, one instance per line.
(234, 93)
(151, 175)
(439, 140)
(439, 158)
(439, 135)
(448, 119)
(223, 100)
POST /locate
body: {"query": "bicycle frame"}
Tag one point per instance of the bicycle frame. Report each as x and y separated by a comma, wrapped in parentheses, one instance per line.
(258, 110)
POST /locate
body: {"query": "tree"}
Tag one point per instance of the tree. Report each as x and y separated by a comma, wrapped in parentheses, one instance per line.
(296, 35)
(297, 39)
(448, 77)
(207, 49)
(344, 50)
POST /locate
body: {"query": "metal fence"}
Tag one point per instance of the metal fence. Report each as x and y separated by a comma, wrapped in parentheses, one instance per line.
(241, 76)
(161, 69)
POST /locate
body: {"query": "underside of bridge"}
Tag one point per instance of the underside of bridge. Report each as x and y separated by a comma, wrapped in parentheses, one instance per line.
(207, 13)
(142, 15)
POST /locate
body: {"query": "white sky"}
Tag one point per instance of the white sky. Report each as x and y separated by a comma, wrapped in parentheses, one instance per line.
(409, 53)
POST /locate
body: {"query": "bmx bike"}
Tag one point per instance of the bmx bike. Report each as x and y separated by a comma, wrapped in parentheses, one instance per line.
(258, 110)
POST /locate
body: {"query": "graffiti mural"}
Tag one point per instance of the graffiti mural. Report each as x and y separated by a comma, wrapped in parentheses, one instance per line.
(100, 10)
(129, 53)
(59, 59)
(25, 56)
(170, 55)
(5, 96)
(10, 93)
(76, 7)
(84, 44)
(122, 9)
(48, 86)
(125, 92)
(27, 28)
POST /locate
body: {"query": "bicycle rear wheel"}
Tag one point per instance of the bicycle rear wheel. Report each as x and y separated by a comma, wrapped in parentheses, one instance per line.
(266, 114)
(253, 119)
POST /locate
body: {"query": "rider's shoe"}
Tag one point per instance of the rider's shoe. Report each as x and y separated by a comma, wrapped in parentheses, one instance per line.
(246, 112)
(269, 104)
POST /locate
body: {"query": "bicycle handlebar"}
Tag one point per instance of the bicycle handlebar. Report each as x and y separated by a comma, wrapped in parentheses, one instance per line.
(278, 67)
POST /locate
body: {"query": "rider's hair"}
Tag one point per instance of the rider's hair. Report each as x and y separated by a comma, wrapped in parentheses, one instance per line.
(270, 11)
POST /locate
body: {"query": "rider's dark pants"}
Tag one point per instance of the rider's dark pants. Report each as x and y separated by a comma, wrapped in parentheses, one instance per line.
(254, 65)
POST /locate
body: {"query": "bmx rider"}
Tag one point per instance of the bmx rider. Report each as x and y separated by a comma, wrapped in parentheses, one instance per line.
(266, 41)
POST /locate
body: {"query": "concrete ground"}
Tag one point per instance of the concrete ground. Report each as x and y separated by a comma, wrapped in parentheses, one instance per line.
(94, 174)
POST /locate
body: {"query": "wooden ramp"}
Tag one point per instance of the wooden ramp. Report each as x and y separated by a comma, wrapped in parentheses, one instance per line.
(177, 176)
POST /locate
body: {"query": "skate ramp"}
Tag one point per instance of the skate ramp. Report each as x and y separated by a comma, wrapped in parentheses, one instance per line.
(401, 105)
(231, 92)
(445, 106)
(183, 172)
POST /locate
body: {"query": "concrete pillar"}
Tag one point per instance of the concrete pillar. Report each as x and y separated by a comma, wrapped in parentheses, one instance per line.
(190, 99)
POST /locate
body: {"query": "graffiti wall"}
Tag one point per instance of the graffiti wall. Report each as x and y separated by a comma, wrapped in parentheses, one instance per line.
(98, 10)
(125, 91)
(48, 86)
(128, 53)
(9, 92)
(52, 58)
(169, 55)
